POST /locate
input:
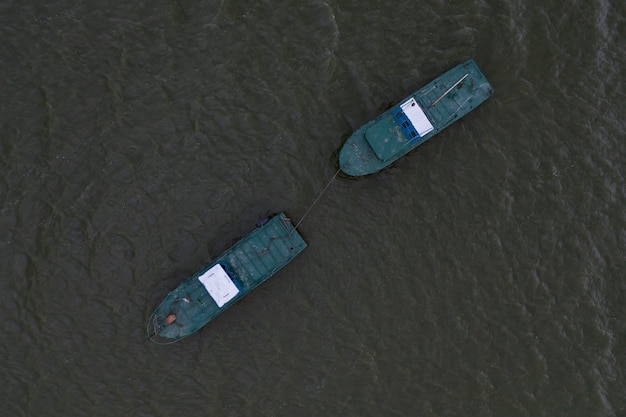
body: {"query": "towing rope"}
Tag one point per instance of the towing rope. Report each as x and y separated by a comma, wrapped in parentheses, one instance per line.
(318, 197)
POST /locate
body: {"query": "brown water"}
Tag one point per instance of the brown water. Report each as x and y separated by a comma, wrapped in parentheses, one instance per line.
(481, 275)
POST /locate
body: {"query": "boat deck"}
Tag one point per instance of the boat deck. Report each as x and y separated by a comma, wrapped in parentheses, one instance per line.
(263, 252)
(239, 270)
(392, 134)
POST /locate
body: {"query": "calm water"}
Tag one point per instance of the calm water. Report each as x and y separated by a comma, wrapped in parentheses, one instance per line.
(481, 275)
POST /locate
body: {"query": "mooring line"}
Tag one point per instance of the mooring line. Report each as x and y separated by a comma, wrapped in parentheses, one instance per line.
(318, 197)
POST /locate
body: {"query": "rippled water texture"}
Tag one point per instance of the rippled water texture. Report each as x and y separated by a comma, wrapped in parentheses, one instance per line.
(480, 275)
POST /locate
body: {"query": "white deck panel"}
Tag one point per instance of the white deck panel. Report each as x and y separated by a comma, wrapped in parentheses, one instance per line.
(417, 116)
(219, 285)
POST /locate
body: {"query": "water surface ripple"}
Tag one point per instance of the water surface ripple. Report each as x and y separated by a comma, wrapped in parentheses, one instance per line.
(481, 275)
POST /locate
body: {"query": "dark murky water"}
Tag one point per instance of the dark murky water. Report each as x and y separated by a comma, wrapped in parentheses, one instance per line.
(481, 275)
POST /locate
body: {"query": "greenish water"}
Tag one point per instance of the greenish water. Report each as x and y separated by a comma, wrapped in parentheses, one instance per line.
(480, 275)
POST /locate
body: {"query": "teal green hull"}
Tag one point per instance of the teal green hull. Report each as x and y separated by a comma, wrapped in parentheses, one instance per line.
(383, 140)
(247, 264)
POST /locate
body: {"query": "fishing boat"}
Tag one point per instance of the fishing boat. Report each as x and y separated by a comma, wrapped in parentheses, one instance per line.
(414, 120)
(218, 285)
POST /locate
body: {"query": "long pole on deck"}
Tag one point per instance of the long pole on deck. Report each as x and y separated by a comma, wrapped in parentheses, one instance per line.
(449, 89)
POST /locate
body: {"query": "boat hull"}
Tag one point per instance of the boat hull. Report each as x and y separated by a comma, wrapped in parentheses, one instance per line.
(391, 135)
(224, 281)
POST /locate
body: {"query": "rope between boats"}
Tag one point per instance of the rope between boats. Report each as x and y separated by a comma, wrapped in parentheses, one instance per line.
(318, 197)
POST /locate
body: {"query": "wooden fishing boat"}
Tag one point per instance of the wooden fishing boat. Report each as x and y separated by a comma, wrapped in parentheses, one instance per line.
(229, 277)
(414, 120)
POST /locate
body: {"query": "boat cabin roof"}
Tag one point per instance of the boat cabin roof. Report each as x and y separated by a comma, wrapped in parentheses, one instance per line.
(219, 285)
(401, 126)
(417, 117)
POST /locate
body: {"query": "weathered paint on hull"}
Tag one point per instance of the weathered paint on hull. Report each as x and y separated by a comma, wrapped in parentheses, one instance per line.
(444, 100)
(248, 263)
